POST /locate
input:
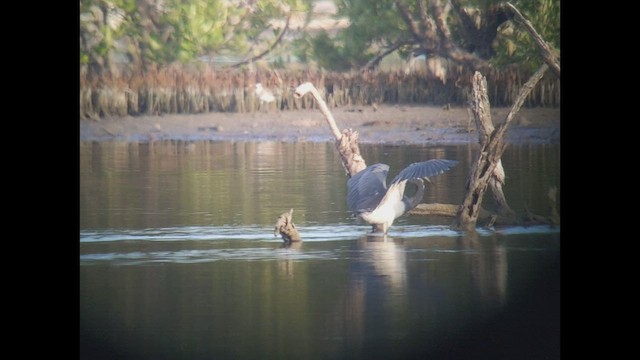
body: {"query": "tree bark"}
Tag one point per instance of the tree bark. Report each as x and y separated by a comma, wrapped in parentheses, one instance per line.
(491, 151)
(346, 141)
(482, 115)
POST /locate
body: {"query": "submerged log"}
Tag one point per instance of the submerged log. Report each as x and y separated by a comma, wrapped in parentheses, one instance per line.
(434, 209)
(286, 228)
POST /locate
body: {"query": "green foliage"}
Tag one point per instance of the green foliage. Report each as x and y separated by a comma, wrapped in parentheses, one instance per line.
(372, 24)
(342, 53)
(166, 31)
(378, 24)
(99, 28)
(515, 46)
(197, 28)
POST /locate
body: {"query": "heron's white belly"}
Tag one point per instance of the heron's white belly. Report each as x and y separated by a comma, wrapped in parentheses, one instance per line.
(380, 215)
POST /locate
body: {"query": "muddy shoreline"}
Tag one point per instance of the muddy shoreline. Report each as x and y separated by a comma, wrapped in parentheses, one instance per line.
(384, 124)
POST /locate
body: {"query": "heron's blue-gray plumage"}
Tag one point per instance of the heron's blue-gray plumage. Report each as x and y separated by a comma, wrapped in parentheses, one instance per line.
(367, 188)
(424, 169)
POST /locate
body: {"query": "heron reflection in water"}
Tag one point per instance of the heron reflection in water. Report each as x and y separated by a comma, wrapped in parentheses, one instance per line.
(370, 198)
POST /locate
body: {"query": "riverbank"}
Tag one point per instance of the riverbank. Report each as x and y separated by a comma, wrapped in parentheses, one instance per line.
(384, 124)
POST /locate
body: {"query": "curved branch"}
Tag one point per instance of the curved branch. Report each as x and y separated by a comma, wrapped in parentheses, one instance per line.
(269, 49)
(376, 60)
(308, 87)
(346, 142)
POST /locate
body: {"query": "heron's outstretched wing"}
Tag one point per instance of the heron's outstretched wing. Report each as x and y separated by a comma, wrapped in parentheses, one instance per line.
(424, 169)
(367, 188)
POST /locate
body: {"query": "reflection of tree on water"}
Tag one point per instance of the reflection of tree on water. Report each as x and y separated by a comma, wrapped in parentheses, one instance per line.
(387, 277)
(285, 266)
(488, 268)
(377, 299)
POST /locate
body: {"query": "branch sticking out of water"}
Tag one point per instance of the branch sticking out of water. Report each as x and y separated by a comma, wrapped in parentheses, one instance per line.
(286, 228)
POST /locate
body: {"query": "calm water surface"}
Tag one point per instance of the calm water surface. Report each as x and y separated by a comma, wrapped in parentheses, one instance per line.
(178, 258)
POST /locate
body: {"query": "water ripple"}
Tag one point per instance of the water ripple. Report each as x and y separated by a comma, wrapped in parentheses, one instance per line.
(309, 233)
(195, 244)
(176, 233)
(187, 256)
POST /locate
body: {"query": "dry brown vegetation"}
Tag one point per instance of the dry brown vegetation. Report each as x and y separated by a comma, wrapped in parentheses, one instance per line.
(178, 90)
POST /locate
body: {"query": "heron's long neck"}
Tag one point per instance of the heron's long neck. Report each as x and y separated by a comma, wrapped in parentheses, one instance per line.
(413, 201)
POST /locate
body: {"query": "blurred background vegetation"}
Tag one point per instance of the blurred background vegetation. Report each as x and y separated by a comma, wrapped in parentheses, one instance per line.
(336, 35)
(136, 49)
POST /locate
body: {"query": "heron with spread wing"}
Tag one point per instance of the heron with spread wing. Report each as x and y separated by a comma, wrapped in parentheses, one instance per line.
(370, 198)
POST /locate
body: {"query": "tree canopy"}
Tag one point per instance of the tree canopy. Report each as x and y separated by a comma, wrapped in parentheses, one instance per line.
(161, 32)
(147, 33)
(475, 33)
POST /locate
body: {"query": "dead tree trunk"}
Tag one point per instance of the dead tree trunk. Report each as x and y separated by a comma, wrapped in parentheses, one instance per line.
(482, 115)
(488, 171)
(491, 151)
(346, 141)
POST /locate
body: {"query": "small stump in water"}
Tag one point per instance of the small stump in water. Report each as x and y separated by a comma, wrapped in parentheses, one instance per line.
(286, 228)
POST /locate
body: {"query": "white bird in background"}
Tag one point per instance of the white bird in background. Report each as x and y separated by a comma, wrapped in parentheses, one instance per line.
(265, 95)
